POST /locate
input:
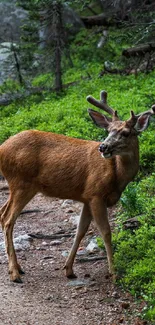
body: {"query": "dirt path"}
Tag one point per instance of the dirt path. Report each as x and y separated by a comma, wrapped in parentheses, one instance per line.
(46, 296)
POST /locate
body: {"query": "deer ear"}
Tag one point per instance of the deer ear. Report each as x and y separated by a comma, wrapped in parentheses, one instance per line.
(99, 119)
(142, 123)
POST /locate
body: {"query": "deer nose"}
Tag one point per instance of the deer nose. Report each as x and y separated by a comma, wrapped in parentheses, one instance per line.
(103, 147)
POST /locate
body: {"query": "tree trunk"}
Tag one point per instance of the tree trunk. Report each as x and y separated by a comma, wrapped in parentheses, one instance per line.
(17, 64)
(58, 71)
(58, 43)
(55, 38)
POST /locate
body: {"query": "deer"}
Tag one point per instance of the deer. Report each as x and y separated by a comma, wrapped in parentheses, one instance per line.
(94, 173)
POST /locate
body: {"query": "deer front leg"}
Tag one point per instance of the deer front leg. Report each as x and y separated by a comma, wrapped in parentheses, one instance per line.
(99, 212)
(14, 268)
(8, 219)
(18, 199)
(85, 220)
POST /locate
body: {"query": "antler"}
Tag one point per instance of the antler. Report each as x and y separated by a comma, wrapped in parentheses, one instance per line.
(102, 103)
(133, 118)
(149, 112)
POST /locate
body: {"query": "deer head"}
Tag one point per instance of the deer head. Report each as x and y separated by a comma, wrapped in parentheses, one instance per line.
(121, 133)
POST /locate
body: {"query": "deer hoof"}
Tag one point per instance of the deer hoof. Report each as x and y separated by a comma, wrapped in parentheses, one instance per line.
(21, 272)
(71, 276)
(69, 272)
(20, 269)
(17, 280)
(15, 277)
(113, 277)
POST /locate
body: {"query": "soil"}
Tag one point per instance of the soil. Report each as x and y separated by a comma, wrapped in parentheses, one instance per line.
(46, 296)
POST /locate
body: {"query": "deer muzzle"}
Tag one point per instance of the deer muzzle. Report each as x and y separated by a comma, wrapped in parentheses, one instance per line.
(104, 149)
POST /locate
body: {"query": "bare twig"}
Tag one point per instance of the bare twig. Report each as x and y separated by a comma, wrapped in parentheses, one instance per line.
(30, 211)
(50, 237)
(90, 259)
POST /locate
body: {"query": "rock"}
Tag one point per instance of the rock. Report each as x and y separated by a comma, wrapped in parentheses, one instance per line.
(115, 295)
(92, 246)
(64, 253)
(44, 243)
(66, 203)
(75, 219)
(12, 18)
(103, 39)
(72, 19)
(6, 61)
(21, 242)
(55, 242)
(81, 252)
(78, 283)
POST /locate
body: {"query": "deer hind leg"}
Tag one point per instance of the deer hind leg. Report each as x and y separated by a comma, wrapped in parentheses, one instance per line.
(18, 199)
(85, 220)
(99, 212)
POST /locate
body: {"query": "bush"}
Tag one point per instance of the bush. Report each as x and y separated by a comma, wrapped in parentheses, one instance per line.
(134, 251)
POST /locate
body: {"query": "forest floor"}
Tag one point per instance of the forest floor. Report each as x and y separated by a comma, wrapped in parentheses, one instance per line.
(46, 296)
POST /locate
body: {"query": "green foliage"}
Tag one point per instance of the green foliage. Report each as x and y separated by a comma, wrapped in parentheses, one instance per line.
(147, 151)
(72, 106)
(43, 80)
(138, 198)
(84, 48)
(9, 86)
(134, 250)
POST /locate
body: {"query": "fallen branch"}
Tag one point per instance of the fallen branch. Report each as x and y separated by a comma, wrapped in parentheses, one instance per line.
(50, 237)
(140, 50)
(90, 259)
(30, 211)
(99, 20)
(125, 71)
(132, 224)
(47, 212)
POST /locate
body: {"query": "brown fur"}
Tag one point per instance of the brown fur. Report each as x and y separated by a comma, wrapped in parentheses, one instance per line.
(60, 166)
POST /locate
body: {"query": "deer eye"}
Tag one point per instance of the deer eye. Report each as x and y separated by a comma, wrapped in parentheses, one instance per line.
(125, 133)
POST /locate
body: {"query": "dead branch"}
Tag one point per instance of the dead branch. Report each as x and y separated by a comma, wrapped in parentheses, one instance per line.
(50, 237)
(90, 259)
(99, 20)
(140, 50)
(30, 211)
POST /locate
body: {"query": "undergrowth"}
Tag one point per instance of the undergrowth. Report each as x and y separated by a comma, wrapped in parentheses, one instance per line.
(134, 249)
